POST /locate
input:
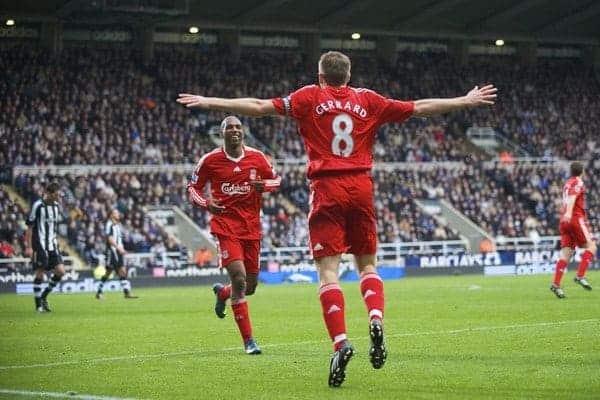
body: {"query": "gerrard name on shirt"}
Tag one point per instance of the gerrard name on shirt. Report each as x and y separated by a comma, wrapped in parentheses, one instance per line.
(329, 105)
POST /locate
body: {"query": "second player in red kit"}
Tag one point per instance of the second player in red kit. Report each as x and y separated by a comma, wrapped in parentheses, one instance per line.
(238, 175)
(574, 231)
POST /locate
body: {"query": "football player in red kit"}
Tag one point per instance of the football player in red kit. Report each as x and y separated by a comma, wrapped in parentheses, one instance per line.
(574, 231)
(338, 124)
(238, 175)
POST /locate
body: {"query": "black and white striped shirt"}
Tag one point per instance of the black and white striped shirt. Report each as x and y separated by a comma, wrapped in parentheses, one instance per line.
(43, 220)
(113, 230)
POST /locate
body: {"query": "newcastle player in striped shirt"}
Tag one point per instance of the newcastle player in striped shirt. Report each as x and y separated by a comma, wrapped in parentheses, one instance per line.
(114, 255)
(42, 244)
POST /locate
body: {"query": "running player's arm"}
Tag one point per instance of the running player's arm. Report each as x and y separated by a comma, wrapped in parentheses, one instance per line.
(246, 106)
(269, 181)
(569, 209)
(485, 95)
(195, 189)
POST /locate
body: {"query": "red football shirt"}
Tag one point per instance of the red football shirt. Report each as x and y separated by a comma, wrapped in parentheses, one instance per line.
(574, 186)
(230, 186)
(339, 125)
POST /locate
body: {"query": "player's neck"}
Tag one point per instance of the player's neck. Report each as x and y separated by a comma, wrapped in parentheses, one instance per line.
(234, 151)
(325, 86)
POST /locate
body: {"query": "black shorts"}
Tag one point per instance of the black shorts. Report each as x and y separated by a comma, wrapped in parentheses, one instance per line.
(48, 260)
(114, 260)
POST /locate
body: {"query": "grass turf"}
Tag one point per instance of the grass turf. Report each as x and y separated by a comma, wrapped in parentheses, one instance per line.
(455, 337)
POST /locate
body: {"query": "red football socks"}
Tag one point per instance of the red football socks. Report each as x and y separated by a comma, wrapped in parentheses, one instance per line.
(240, 312)
(586, 258)
(561, 266)
(225, 293)
(371, 288)
(332, 304)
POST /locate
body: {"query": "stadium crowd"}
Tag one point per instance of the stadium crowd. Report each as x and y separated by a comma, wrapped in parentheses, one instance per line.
(87, 199)
(509, 200)
(104, 106)
(12, 227)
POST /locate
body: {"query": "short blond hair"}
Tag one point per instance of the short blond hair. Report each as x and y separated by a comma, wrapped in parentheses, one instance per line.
(335, 67)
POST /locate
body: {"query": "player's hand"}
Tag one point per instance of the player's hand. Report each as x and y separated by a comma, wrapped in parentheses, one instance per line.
(214, 208)
(481, 96)
(121, 251)
(28, 251)
(566, 219)
(258, 185)
(192, 100)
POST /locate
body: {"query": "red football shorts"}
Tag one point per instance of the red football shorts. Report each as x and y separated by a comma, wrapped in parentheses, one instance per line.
(575, 233)
(232, 249)
(342, 215)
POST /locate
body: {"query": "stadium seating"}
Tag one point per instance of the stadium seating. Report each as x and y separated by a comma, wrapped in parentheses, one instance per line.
(12, 227)
(87, 200)
(103, 106)
(100, 106)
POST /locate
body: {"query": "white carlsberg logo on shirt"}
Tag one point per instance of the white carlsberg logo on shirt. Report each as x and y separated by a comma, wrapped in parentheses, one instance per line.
(234, 188)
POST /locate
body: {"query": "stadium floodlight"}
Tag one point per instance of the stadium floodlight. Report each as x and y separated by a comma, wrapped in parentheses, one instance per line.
(499, 42)
(194, 29)
(10, 22)
(355, 36)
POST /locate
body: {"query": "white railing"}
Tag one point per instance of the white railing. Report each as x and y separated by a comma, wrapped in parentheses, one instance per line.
(280, 162)
(487, 138)
(168, 259)
(482, 133)
(93, 169)
(386, 252)
(21, 263)
(537, 162)
(528, 243)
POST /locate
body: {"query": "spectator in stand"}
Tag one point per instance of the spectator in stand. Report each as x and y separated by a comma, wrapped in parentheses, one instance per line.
(203, 257)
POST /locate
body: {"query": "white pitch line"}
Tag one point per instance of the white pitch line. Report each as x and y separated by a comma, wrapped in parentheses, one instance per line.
(56, 395)
(103, 359)
(495, 328)
(308, 342)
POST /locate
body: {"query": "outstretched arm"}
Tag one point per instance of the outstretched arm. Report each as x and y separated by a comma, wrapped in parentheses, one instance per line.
(475, 98)
(245, 106)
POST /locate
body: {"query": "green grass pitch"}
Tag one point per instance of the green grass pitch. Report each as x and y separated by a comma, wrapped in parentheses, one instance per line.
(454, 337)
